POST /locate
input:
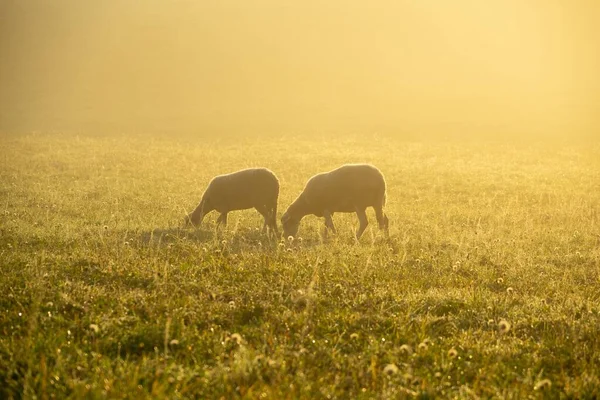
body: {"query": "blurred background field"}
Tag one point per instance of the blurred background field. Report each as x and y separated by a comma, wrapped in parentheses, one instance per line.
(487, 285)
(442, 69)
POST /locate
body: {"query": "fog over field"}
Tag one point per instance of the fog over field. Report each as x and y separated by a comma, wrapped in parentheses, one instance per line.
(435, 68)
(128, 271)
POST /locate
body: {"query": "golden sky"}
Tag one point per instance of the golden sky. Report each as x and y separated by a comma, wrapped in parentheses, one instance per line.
(439, 67)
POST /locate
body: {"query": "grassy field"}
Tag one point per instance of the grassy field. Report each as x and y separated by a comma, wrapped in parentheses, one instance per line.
(488, 286)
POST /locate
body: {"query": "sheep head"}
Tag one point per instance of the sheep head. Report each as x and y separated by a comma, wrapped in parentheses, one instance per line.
(193, 219)
(290, 224)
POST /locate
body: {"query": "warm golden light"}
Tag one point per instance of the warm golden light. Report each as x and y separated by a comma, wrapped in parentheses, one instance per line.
(274, 199)
(482, 68)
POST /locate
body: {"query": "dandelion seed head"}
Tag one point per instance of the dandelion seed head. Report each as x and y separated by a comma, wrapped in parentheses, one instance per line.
(452, 353)
(290, 238)
(510, 291)
(174, 342)
(504, 326)
(422, 347)
(354, 336)
(500, 281)
(236, 337)
(406, 349)
(95, 328)
(390, 369)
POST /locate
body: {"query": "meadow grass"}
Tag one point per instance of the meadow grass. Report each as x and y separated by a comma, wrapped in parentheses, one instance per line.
(488, 285)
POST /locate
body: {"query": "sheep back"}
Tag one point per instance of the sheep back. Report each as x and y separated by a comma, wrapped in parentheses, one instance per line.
(243, 189)
(345, 189)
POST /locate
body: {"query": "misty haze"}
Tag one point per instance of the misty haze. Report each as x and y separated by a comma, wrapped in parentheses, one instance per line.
(299, 200)
(427, 67)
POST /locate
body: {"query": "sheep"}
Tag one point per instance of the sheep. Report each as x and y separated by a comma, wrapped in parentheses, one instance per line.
(249, 188)
(349, 188)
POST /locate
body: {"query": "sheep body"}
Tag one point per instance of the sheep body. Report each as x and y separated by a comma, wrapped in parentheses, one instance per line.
(349, 188)
(249, 188)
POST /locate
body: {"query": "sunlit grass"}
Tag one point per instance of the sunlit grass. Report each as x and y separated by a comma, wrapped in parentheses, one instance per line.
(487, 286)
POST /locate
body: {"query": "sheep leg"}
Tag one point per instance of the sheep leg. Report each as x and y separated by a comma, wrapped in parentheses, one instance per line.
(270, 217)
(273, 218)
(273, 224)
(263, 211)
(382, 219)
(362, 218)
(324, 233)
(222, 219)
(329, 222)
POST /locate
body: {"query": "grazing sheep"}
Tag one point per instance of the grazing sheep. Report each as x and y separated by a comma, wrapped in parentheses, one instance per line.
(350, 188)
(250, 188)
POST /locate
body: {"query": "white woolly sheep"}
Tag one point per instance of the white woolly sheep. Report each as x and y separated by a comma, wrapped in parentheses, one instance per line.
(349, 188)
(250, 188)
